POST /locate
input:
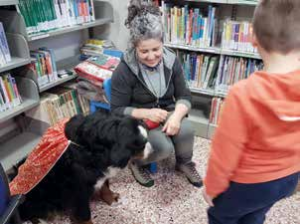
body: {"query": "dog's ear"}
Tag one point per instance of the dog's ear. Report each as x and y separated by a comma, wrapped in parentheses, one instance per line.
(72, 126)
(120, 156)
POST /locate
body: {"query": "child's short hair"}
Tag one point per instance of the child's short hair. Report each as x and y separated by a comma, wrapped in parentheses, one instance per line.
(276, 25)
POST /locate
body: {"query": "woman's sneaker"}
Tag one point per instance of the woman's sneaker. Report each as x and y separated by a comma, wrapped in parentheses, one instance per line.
(141, 175)
(191, 173)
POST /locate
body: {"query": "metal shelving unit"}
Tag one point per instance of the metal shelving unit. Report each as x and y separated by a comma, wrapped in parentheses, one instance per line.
(8, 2)
(209, 92)
(27, 104)
(15, 63)
(18, 50)
(57, 82)
(70, 29)
(16, 148)
(214, 50)
(199, 123)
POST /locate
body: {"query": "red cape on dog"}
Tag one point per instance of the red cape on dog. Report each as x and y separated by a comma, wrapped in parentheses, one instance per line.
(41, 160)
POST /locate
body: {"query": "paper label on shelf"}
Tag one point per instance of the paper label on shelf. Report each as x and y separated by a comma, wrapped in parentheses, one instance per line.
(40, 36)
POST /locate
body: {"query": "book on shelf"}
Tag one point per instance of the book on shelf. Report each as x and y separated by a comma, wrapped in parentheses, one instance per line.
(92, 47)
(97, 68)
(189, 26)
(216, 110)
(43, 16)
(204, 26)
(43, 66)
(200, 70)
(9, 93)
(84, 104)
(237, 36)
(233, 69)
(5, 56)
(56, 104)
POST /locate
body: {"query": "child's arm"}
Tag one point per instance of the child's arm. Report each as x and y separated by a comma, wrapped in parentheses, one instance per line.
(228, 142)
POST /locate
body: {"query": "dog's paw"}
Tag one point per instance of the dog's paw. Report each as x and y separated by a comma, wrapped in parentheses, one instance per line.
(110, 198)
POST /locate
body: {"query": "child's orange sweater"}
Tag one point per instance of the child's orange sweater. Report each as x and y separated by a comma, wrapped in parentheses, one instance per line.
(258, 137)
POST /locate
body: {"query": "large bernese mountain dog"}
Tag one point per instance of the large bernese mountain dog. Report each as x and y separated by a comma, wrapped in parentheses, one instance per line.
(104, 144)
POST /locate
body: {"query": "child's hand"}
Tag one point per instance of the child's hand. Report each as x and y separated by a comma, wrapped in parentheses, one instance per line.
(207, 198)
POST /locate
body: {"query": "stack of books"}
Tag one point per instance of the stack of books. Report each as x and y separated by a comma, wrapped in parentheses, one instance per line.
(43, 66)
(92, 47)
(5, 56)
(97, 69)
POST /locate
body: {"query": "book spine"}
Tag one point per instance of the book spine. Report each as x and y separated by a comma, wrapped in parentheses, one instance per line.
(4, 44)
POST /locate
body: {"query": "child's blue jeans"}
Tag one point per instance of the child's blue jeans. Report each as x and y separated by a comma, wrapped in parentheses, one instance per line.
(249, 203)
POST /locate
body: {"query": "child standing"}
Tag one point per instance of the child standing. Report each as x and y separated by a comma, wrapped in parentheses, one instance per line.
(255, 155)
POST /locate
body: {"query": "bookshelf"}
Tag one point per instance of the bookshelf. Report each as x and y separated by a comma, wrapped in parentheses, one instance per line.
(19, 52)
(18, 147)
(222, 31)
(19, 132)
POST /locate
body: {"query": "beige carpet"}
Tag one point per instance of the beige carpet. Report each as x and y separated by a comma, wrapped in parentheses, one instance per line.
(172, 200)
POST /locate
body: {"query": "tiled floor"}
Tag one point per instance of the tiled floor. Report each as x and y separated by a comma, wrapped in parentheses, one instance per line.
(172, 200)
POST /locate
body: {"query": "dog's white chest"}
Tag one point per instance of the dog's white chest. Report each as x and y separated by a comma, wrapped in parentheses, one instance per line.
(111, 172)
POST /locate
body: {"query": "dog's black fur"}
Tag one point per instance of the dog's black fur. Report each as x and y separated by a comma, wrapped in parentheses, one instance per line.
(105, 141)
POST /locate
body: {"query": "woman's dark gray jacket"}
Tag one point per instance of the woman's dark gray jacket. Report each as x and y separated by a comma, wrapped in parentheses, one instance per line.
(129, 90)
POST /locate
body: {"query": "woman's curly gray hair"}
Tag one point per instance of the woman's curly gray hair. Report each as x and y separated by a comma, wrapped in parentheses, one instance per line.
(143, 21)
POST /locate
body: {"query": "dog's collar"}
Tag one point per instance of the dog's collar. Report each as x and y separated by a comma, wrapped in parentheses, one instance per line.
(74, 143)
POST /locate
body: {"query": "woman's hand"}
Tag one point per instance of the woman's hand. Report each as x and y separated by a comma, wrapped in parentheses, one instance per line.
(172, 126)
(156, 115)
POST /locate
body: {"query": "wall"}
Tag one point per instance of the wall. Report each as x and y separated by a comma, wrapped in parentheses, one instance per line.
(116, 31)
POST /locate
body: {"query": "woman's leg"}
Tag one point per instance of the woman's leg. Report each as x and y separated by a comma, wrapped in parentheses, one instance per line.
(184, 144)
(162, 148)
